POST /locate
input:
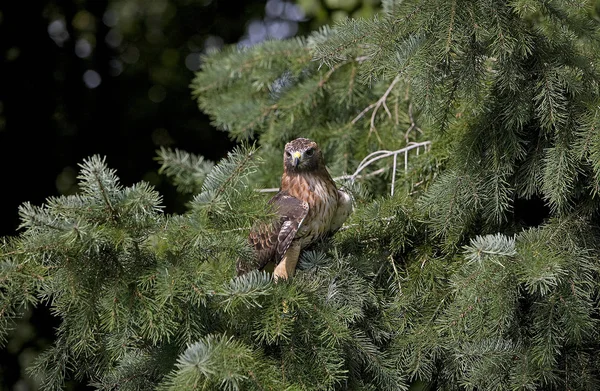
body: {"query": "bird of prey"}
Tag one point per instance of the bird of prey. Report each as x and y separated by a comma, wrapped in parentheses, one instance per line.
(309, 206)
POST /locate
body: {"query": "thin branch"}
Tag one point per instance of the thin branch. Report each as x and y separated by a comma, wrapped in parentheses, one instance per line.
(330, 72)
(396, 119)
(249, 64)
(343, 46)
(375, 106)
(413, 125)
(373, 157)
(268, 190)
(362, 113)
(391, 258)
(381, 102)
(394, 174)
(376, 172)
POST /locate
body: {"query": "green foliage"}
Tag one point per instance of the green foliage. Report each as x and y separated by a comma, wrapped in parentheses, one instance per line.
(150, 300)
(444, 284)
(186, 170)
(219, 362)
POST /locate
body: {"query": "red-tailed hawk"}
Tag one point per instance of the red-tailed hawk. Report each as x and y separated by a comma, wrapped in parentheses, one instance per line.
(309, 206)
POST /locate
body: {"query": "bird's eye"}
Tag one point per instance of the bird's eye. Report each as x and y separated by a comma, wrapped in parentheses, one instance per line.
(309, 152)
(288, 153)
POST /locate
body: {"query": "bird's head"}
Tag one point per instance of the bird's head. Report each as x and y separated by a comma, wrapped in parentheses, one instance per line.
(301, 155)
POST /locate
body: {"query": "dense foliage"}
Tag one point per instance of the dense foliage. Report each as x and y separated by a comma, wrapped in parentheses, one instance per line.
(441, 117)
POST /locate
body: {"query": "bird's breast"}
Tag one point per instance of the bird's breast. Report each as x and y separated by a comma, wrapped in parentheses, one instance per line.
(322, 198)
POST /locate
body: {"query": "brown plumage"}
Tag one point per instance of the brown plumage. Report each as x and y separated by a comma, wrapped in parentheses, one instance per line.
(309, 207)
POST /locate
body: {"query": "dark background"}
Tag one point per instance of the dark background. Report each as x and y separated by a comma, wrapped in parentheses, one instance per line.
(85, 77)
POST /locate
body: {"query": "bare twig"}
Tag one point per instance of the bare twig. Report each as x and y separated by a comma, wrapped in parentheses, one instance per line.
(376, 172)
(394, 174)
(396, 273)
(362, 113)
(268, 190)
(413, 125)
(375, 106)
(378, 104)
(377, 155)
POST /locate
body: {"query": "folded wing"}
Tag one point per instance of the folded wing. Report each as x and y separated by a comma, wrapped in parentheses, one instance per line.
(272, 241)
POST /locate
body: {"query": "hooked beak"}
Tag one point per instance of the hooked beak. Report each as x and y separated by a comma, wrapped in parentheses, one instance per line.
(296, 158)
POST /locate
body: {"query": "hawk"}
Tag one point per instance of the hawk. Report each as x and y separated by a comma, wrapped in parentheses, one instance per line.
(309, 206)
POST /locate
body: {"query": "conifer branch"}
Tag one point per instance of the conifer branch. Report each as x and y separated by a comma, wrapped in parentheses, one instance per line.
(300, 51)
(354, 40)
(299, 100)
(96, 177)
(451, 26)
(113, 212)
(248, 156)
(35, 216)
(327, 76)
(221, 178)
(187, 170)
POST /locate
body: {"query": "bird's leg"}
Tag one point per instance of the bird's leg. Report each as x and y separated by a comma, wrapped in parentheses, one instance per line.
(287, 266)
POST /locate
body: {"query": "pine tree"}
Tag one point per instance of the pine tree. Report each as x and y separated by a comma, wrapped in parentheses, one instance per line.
(441, 117)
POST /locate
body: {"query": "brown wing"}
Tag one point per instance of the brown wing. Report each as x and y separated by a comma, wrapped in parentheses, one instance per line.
(271, 241)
